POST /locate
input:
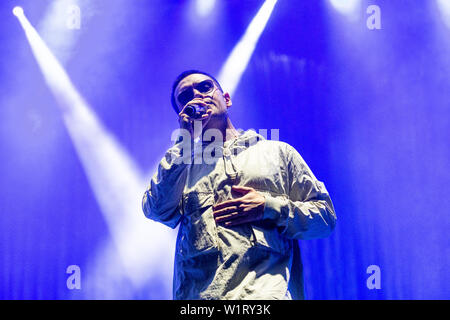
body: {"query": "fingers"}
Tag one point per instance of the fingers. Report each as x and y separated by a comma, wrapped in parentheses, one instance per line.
(205, 116)
(234, 202)
(239, 221)
(187, 122)
(184, 121)
(242, 189)
(228, 203)
(234, 218)
(228, 217)
(182, 111)
(227, 214)
(207, 110)
(225, 211)
(248, 208)
(234, 215)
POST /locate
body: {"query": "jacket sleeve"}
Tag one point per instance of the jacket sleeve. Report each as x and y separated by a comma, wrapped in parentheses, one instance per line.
(306, 211)
(162, 200)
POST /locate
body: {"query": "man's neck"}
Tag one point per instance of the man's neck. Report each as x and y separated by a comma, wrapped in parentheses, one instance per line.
(227, 129)
(230, 131)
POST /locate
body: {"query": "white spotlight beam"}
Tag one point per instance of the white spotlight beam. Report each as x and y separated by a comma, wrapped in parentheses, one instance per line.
(237, 62)
(349, 8)
(444, 7)
(54, 30)
(18, 11)
(204, 7)
(145, 248)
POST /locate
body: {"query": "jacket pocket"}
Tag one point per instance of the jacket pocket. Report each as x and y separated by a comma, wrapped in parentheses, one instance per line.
(197, 233)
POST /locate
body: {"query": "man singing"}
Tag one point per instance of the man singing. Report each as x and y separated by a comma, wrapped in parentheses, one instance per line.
(241, 206)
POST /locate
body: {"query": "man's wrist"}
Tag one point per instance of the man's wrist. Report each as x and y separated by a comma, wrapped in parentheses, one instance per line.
(272, 208)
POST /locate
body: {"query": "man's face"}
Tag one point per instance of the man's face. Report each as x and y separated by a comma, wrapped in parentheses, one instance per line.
(201, 89)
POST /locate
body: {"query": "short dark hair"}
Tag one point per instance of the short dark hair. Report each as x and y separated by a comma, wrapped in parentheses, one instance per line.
(183, 75)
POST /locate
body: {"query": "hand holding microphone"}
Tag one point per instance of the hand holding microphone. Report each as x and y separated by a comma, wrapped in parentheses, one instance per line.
(194, 112)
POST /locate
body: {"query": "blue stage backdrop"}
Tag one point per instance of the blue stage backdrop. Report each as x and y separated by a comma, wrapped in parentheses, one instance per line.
(363, 93)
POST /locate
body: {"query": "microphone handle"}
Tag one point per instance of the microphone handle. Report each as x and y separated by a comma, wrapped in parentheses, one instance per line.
(194, 111)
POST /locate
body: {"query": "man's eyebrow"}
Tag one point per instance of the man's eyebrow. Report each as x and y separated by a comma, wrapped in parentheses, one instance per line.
(182, 89)
(186, 87)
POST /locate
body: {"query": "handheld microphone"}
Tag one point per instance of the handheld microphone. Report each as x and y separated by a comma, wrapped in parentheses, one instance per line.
(195, 111)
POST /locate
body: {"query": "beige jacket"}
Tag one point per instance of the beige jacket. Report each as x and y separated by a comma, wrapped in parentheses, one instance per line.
(260, 260)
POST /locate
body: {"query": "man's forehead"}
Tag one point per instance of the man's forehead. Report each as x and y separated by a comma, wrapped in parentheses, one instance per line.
(191, 79)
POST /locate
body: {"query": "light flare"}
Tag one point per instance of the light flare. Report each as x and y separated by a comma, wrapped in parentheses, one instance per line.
(145, 248)
(236, 64)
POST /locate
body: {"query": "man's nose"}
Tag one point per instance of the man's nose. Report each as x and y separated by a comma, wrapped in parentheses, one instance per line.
(198, 94)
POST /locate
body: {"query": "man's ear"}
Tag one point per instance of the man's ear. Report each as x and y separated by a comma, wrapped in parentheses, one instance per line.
(227, 98)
